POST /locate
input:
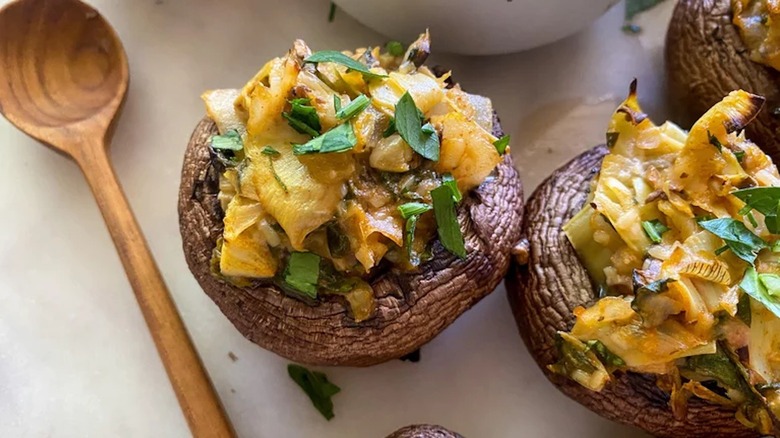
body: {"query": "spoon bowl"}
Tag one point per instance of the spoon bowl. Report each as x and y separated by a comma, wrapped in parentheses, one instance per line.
(63, 78)
(68, 68)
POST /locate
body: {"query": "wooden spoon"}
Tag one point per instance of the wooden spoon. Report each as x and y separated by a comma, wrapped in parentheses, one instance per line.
(63, 78)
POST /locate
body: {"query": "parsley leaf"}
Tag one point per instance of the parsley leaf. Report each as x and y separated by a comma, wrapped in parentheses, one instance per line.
(394, 48)
(303, 272)
(739, 155)
(316, 386)
(654, 229)
(359, 104)
(339, 139)
(408, 121)
(413, 209)
(449, 181)
(765, 200)
(229, 140)
(501, 144)
(755, 286)
(447, 221)
(741, 241)
(340, 58)
(303, 117)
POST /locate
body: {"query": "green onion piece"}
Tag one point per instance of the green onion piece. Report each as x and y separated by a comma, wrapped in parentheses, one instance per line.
(411, 226)
(229, 140)
(501, 144)
(413, 209)
(447, 221)
(336, 103)
(449, 181)
(316, 386)
(303, 272)
(340, 58)
(752, 219)
(354, 107)
(394, 48)
(303, 117)
(654, 229)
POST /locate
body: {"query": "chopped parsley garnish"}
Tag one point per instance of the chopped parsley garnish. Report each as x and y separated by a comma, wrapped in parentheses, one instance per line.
(229, 140)
(408, 121)
(654, 229)
(303, 272)
(359, 104)
(340, 58)
(394, 48)
(501, 144)
(450, 234)
(272, 153)
(449, 181)
(303, 117)
(758, 287)
(390, 129)
(765, 200)
(715, 142)
(339, 139)
(612, 138)
(605, 355)
(741, 241)
(413, 209)
(739, 155)
(316, 386)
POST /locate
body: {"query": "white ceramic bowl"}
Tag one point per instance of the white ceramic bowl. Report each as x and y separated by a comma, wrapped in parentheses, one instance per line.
(477, 27)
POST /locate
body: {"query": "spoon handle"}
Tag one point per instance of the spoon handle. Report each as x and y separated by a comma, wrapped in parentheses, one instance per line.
(197, 397)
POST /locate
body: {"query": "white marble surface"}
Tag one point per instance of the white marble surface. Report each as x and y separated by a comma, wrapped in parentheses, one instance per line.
(75, 355)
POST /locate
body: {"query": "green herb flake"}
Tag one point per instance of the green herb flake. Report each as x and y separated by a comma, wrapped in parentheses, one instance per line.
(721, 250)
(604, 354)
(754, 285)
(230, 140)
(741, 241)
(336, 103)
(340, 58)
(752, 219)
(450, 234)
(739, 155)
(409, 230)
(612, 138)
(359, 104)
(394, 48)
(270, 151)
(390, 128)
(656, 287)
(332, 12)
(339, 139)
(449, 181)
(631, 28)
(765, 200)
(413, 209)
(408, 121)
(302, 273)
(715, 142)
(743, 309)
(303, 117)
(316, 386)
(654, 229)
(501, 144)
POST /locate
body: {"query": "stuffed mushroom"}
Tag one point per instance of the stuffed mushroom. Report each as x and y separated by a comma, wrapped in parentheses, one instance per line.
(648, 286)
(343, 208)
(716, 46)
(424, 431)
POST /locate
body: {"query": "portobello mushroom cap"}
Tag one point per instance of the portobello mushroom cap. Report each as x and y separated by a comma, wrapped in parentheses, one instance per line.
(544, 292)
(423, 431)
(411, 308)
(706, 59)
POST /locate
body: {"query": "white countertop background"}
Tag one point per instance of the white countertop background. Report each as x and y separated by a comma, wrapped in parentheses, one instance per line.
(75, 356)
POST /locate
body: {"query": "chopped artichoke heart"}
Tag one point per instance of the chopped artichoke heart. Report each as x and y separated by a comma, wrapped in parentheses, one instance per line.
(691, 281)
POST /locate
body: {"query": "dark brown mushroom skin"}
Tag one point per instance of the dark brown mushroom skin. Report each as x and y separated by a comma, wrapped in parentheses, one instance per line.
(423, 431)
(544, 292)
(412, 308)
(706, 59)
